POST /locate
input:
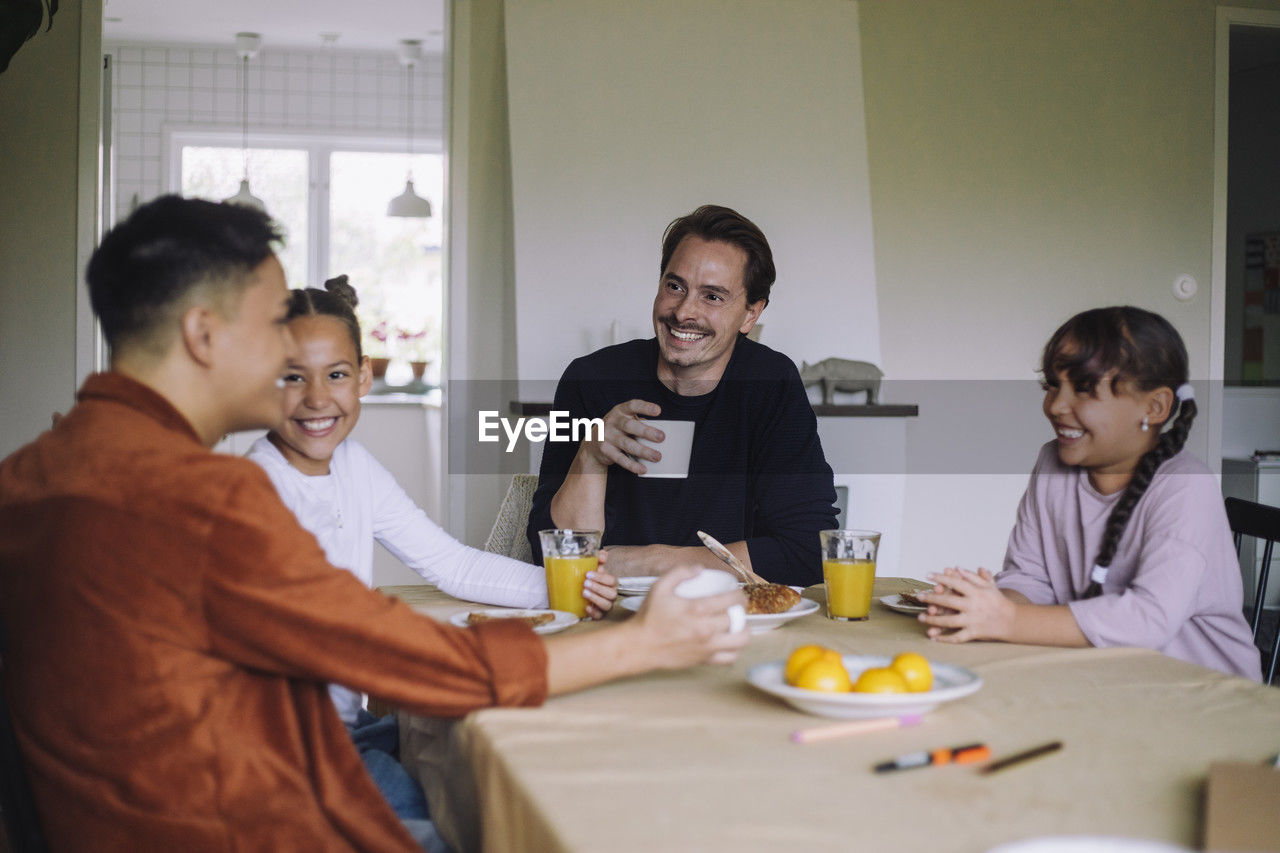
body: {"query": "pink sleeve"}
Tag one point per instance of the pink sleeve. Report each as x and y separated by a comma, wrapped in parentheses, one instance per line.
(1025, 569)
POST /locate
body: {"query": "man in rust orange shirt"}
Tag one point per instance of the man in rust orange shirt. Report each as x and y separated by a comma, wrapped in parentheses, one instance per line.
(169, 627)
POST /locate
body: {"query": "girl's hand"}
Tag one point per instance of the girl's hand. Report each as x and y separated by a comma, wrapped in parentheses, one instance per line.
(965, 605)
(600, 589)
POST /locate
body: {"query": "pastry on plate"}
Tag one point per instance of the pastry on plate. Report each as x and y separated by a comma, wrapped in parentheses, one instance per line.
(533, 621)
(770, 598)
(910, 598)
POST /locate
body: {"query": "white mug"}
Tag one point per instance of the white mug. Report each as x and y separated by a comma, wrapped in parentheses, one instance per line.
(713, 582)
(676, 449)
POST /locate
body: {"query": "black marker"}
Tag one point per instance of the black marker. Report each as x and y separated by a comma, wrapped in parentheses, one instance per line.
(970, 753)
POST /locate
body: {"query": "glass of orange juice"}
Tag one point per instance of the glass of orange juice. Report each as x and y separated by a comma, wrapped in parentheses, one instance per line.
(568, 555)
(849, 570)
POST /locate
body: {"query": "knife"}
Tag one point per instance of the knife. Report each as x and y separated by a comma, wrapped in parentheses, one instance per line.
(727, 556)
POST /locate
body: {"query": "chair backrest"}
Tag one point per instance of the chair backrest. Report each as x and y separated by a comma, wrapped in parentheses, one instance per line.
(1262, 522)
(508, 534)
(21, 822)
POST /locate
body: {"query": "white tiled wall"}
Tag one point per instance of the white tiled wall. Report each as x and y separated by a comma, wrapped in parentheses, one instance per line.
(158, 87)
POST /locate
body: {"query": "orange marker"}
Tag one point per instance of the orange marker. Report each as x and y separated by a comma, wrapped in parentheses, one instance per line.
(970, 753)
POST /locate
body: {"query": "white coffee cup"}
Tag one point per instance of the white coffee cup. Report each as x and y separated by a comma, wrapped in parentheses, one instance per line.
(713, 582)
(675, 449)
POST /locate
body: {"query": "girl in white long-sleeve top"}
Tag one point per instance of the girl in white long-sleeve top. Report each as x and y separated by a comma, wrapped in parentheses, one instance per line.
(340, 493)
(1121, 538)
(347, 500)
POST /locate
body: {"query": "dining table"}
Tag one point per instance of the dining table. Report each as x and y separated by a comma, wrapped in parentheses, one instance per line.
(701, 760)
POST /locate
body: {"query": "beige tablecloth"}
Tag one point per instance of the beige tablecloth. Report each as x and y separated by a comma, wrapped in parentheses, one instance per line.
(700, 760)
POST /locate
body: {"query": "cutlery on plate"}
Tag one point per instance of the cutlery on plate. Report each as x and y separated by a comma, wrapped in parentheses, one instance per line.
(727, 556)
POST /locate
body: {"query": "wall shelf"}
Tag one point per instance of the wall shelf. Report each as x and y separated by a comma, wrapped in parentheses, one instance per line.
(862, 410)
(534, 409)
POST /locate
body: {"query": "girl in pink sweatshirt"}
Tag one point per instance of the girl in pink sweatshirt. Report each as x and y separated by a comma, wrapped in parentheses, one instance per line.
(1121, 538)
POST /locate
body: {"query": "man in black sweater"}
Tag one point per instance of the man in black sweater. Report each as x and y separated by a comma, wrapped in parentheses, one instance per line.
(758, 480)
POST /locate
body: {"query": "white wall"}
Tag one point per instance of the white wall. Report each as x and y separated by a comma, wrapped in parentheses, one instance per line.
(624, 116)
(404, 435)
(1251, 421)
(1028, 160)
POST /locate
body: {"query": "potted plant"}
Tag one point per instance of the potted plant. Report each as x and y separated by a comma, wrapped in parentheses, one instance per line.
(376, 349)
(413, 345)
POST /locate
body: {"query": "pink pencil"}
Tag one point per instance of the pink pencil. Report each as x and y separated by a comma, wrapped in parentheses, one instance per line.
(853, 727)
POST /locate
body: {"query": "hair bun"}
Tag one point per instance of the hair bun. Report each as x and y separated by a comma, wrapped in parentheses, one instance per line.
(341, 288)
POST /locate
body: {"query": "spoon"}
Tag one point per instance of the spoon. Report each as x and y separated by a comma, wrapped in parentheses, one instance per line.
(727, 556)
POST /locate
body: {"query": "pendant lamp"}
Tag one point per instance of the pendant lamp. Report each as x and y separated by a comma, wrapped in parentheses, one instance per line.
(247, 45)
(409, 203)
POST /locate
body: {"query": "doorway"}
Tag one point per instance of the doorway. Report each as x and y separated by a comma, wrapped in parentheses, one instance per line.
(1246, 263)
(318, 120)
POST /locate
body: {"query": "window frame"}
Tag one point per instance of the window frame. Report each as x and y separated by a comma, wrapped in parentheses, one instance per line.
(319, 145)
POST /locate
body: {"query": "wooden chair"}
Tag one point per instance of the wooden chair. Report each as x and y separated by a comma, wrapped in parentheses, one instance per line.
(1263, 524)
(508, 534)
(21, 822)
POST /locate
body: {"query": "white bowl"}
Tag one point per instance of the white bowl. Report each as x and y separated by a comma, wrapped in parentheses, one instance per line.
(949, 683)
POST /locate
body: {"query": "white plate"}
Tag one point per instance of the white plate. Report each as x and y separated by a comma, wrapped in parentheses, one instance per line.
(563, 618)
(895, 602)
(635, 586)
(757, 623)
(1086, 844)
(949, 682)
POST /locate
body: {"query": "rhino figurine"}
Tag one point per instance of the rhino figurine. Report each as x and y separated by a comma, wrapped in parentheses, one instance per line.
(841, 374)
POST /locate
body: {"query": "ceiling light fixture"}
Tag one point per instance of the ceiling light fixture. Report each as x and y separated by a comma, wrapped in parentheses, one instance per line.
(409, 203)
(247, 45)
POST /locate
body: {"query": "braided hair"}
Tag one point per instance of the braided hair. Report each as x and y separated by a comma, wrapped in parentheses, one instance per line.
(1144, 349)
(337, 300)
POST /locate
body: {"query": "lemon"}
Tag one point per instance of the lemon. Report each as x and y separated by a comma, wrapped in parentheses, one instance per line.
(802, 657)
(880, 679)
(826, 674)
(915, 670)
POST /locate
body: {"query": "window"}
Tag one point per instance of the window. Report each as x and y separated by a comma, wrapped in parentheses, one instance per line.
(279, 178)
(330, 197)
(401, 255)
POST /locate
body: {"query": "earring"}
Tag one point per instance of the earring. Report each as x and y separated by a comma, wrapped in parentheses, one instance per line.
(1145, 425)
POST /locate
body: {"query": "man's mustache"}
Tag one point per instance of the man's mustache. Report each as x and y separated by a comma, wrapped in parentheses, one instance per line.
(670, 323)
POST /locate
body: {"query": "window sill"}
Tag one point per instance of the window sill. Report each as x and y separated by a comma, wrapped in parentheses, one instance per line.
(408, 395)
